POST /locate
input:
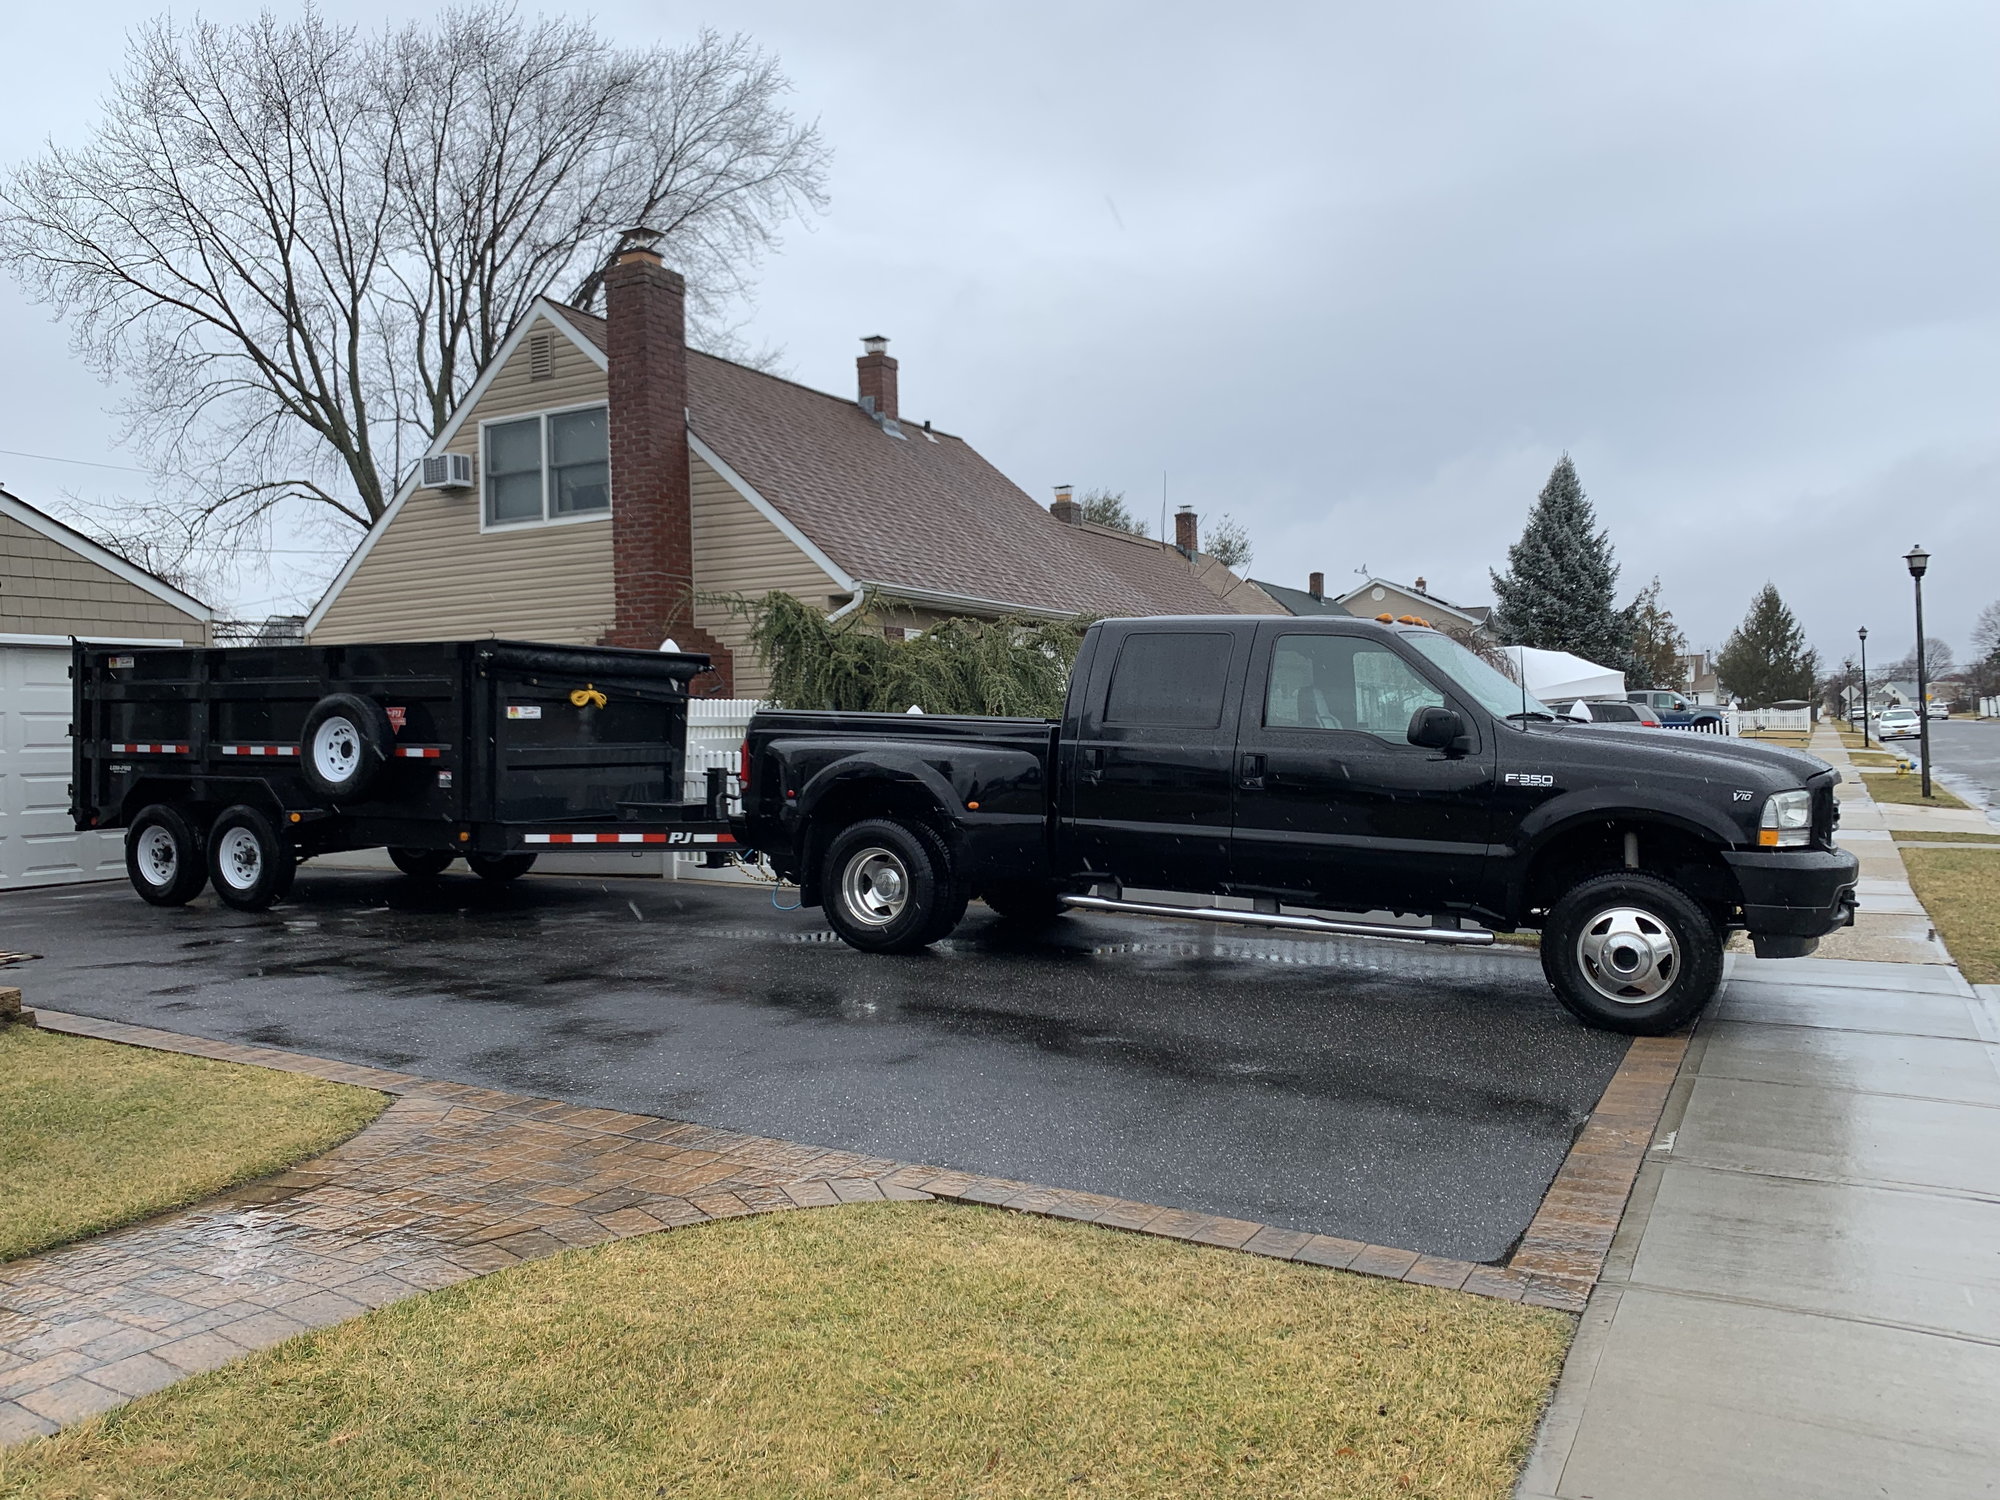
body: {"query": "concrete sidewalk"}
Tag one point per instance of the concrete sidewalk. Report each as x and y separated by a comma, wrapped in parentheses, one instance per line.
(1804, 1295)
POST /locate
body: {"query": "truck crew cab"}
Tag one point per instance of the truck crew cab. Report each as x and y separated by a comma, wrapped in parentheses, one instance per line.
(1313, 766)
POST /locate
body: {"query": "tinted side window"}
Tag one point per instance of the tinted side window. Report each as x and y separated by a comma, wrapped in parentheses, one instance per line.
(1174, 679)
(1343, 682)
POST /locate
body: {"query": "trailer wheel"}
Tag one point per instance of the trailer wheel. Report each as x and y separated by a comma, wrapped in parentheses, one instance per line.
(1632, 953)
(889, 888)
(249, 865)
(344, 745)
(163, 857)
(500, 868)
(1025, 901)
(424, 864)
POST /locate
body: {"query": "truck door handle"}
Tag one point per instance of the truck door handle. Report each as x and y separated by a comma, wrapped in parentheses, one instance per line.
(1093, 765)
(1252, 779)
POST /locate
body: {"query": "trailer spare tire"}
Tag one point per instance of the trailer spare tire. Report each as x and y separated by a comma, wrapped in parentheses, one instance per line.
(163, 857)
(344, 746)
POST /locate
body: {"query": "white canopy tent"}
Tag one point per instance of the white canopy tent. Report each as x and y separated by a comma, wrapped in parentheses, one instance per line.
(1556, 675)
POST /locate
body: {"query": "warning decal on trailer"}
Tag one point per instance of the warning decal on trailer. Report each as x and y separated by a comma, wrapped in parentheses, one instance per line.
(524, 710)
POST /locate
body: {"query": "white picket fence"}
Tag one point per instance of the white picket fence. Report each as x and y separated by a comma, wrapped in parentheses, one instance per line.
(1735, 721)
(1989, 708)
(715, 736)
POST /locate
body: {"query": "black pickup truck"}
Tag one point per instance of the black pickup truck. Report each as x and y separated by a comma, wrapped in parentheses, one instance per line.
(1307, 767)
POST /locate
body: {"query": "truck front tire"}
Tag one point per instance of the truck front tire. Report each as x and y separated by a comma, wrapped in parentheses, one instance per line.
(889, 887)
(250, 866)
(1631, 952)
(163, 857)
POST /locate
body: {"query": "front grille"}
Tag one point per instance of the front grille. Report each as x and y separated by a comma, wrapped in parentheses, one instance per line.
(1825, 815)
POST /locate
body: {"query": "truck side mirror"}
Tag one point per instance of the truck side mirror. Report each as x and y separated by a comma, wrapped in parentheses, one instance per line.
(1437, 729)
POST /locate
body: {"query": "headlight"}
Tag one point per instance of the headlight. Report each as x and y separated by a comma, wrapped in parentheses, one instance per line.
(1787, 821)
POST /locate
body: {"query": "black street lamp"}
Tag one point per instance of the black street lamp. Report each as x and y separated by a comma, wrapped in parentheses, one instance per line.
(1864, 686)
(1919, 560)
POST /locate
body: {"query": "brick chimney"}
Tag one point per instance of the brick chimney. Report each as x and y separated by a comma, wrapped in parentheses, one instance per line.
(1065, 509)
(878, 379)
(652, 511)
(1316, 585)
(1422, 587)
(1186, 533)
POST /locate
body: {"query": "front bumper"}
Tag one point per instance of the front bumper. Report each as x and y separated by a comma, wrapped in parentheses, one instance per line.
(1803, 893)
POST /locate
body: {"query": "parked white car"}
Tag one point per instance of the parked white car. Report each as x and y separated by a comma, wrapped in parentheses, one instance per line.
(1894, 723)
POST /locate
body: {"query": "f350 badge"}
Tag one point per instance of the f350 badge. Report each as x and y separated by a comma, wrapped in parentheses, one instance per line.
(1528, 778)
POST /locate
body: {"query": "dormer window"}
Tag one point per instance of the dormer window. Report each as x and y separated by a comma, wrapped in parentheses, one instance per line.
(553, 466)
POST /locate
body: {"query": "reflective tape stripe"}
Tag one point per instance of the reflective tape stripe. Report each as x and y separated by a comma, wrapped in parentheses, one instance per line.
(149, 749)
(419, 752)
(681, 839)
(260, 749)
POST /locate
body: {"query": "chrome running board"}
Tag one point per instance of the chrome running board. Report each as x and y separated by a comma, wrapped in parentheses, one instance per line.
(1477, 937)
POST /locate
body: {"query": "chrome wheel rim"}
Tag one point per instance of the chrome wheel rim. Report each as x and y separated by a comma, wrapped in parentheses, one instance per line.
(239, 858)
(1629, 955)
(159, 856)
(875, 886)
(336, 749)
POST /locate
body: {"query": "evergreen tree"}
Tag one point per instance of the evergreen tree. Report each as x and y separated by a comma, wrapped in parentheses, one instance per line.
(1658, 646)
(1766, 658)
(1557, 593)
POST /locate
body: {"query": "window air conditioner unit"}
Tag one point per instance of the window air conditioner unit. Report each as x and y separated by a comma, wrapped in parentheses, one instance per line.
(448, 471)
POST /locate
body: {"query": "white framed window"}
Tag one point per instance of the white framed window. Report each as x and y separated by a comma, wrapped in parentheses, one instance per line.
(546, 467)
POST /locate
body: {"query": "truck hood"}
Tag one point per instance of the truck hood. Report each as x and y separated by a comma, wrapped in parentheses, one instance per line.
(1682, 753)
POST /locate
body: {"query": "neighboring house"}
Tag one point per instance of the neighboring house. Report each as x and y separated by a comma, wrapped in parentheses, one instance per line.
(55, 584)
(1378, 596)
(601, 482)
(1143, 558)
(1310, 600)
(1698, 671)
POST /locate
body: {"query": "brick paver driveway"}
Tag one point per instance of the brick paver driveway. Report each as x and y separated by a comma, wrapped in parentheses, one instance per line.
(1380, 1092)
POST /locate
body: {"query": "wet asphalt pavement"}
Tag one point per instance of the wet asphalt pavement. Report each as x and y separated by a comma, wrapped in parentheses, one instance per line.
(1386, 1092)
(1967, 754)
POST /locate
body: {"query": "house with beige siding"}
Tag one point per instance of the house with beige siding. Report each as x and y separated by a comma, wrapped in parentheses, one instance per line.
(54, 585)
(603, 483)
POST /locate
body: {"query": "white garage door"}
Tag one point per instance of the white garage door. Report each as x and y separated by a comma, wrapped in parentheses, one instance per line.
(38, 844)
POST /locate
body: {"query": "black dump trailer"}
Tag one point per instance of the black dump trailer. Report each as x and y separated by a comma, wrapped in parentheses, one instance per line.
(231, 765)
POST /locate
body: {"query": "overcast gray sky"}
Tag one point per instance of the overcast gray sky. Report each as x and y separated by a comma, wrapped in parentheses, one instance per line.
(1359, 273)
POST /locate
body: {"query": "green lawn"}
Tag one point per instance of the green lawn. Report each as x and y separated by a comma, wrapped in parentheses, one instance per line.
(1908, 791)
(909, 1349)
(94, 1135)
(1960, 888)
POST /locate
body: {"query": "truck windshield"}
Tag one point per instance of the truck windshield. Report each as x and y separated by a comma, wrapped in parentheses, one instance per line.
(1494, 691)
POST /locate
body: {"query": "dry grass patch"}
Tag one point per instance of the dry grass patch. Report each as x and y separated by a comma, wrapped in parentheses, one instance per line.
(920, 1349)
(1940, 836)
(1908, 791)
(1873, 758)
(94, 1134)
(1960, 888)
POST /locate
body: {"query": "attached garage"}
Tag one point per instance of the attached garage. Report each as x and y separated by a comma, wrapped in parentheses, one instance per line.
(54, 584)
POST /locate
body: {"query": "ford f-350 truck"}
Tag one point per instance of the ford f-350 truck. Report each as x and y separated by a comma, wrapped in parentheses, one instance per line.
(1313, 767)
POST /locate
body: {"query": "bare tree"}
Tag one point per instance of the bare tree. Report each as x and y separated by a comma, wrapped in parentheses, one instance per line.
(1228, 543)
(296, 244)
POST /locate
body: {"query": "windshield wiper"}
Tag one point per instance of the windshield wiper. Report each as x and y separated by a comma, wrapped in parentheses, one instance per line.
(1529, 713)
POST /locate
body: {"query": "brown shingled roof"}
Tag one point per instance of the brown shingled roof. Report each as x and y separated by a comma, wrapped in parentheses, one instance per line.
(919, 512)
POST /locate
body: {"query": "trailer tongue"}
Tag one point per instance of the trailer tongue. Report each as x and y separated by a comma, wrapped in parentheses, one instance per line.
(233, 765)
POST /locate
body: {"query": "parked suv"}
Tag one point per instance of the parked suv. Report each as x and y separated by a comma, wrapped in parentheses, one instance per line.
(1676, 710)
